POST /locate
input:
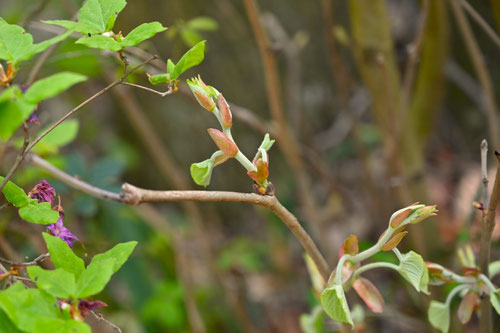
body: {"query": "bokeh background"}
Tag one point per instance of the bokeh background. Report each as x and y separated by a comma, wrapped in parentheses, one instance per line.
(384, 107)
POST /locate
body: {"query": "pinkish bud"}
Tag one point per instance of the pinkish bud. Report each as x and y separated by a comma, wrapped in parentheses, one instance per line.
(227, 146)
(349, 246)
(227, 119)
(398, 219)
(369, 294)
(220, 159)
(204, 100)
(262, 172)
(467, 306)
(394, 241)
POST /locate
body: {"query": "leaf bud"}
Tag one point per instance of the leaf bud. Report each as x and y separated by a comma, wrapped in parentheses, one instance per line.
(227, 146)
(227, 119)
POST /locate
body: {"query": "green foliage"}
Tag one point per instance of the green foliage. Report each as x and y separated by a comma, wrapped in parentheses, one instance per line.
(57, 282)
(192, 57)
(40, 213)
(439, 316)
(62, 256)
(495, 299)
(17, 45)
(313, 322)
(414, 270)
(14, 194)
(58, 137)
(141, 33)
(335, 305)
(51, 86)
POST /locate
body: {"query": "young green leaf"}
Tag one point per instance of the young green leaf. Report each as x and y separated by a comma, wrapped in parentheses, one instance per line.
(159, 79)
(73, 26)
(142, 32)
(51, 86)
(439, 316)
(414, 270)
(100, 42)
(100, 14)
(119, 254)
(313, 322)
(202, 172)
(40, 213)
(14, 194)
(170, 66)
(191, 58)
(58, 282)
(203, 23)
(6, 325)
(335, 305)
(62, 256)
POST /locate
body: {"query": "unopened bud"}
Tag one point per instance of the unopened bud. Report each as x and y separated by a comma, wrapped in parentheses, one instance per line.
(424, 213)
(227, 146)
(398, 219)
(205, 101)
(262, 172)
(227, 119)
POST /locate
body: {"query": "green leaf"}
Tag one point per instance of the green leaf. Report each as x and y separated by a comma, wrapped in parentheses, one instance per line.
(170, 66)
(17, 45)
(40, 213)
(93, 280)
(100, 14)
(51, 86)
(202, 172)
(14, 194)
(100, 42)
(495, 300)
(73, 26)
(190, 36)
(58, 137)
(494, 268)
(335, 304)
(25, 307)
(191, 58)
(6, 325)
(142, 32)
(203, 23)
(58, 282)
(12, 115)
(439, 316)
(414, 270)
(313, 322)
(61, 326)
(62, 256)
(267, 143)
(159, 79)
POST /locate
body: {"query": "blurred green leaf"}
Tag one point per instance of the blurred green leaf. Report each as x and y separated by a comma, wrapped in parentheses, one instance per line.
(159, 79)
(313, 322)
(6, 325)
(58, 137)
(439, 316)
(57, 282)
(40, 213)
(14, 194)
(202, 23)
(51, 86)
(62, 256)
(190, 36)
(495, 300)
(61, 326)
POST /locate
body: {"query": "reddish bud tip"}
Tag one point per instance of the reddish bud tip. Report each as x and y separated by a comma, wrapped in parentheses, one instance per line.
(398, 219)
(204, 100)
(262, 172)
(227, 146)
(227, 119)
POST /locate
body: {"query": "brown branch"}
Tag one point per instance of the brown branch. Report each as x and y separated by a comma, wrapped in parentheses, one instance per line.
(481, 70)
(133, 195)
(487, 226)
(162, 94)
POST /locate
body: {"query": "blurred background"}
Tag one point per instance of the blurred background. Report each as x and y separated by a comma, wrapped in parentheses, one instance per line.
(373, 104)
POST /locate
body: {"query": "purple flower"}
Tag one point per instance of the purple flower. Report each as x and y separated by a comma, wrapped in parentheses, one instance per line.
(43, 192)
(33, 119)
(59, 230)
(86, 306)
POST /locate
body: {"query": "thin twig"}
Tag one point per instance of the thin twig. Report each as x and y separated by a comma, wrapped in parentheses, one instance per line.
(71, 181)
(481, 22)
(19, 158)
(34, 262)
(162, 94)
(481, 71)
(100, 317)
